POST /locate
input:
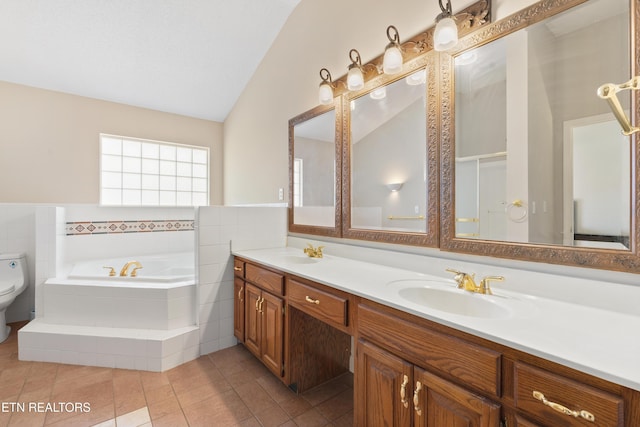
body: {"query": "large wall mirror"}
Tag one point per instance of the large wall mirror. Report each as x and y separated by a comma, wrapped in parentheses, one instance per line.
(314, 178)
(534, 164)
(390, 167)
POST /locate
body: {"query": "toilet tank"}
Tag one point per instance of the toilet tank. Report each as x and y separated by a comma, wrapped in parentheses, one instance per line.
(13, 270)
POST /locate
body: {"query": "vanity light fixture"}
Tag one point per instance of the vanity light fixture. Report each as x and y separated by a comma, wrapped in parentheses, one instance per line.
(355, 78)
(392, 60)
(445, 36)
(467, 58)
(325, 93)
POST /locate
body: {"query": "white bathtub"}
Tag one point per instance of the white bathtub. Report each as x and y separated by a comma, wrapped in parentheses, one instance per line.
(146, 322)
(162, 296)
(156, 269)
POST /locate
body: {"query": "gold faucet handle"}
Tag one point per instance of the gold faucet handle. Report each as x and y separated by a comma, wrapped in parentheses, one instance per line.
(464, 280)
(134, 272)
(484, 283)
(319, 252)
(112, 271)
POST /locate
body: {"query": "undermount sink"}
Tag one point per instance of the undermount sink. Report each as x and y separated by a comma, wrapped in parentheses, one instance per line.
(456, 301)
(302, 259)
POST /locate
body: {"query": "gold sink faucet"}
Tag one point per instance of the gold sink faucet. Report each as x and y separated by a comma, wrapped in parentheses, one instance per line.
(313, 252)
(134, 272)
(467, 282)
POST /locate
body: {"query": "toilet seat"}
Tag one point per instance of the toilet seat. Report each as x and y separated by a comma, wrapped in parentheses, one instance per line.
(5, 291)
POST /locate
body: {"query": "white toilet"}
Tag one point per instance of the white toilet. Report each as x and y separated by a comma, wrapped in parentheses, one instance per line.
(13, 280)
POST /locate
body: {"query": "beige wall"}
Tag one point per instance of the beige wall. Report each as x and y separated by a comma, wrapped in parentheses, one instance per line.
(49, 143)
(319, 33)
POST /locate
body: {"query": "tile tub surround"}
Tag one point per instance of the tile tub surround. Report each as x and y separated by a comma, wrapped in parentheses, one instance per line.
(228, 386)
(248, 227)
(586, 337)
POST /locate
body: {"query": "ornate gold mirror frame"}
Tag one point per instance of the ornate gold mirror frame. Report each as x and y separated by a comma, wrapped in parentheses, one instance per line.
(300, 119)
(620, 260)
(429, 237)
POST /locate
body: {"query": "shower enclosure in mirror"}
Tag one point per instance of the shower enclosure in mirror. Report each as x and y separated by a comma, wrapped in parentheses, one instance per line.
(533, 159)
(391, 193)
(314, 184)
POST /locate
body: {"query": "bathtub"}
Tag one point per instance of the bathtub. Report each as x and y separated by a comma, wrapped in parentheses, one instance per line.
(161, 296)
(156, 269)
(147, 322)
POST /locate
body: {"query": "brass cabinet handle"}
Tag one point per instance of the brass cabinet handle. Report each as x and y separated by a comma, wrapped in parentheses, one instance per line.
(260, 309)
(416, 398)
(240, 291)
(403, 392)
(311, 300)
(563, 409)
(257, 303)
(237, 268)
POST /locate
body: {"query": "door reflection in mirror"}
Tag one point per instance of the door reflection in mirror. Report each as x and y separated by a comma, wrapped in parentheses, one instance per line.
(513, 99)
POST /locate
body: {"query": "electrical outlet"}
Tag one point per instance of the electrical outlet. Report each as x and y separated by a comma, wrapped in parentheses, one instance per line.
(280, 193)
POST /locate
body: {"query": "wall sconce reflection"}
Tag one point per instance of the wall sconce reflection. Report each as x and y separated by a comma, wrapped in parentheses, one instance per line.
(394, 187)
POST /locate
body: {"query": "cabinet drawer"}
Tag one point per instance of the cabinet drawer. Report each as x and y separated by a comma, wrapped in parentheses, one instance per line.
(563, 401)
(238, 268)
(266, 279)
(471, 365)
(319, 304)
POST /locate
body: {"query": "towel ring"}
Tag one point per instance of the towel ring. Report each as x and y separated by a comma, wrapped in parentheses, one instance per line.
(513, 206)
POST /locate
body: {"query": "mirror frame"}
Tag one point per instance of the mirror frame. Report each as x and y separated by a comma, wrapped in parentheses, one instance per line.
(609, 259)
(334, 231)
(430, 237)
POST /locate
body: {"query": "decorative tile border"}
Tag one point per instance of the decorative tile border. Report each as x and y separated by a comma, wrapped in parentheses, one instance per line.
(83, 228)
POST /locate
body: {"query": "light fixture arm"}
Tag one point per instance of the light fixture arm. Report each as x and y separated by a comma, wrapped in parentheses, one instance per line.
(355, 62)
(326, 77)
(446, 10)
(394, 39)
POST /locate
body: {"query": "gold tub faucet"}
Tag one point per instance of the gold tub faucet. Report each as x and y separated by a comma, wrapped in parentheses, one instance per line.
(134, 272)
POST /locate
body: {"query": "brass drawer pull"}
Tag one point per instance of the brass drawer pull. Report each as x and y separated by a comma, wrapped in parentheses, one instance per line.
(260, 308)
(237, 268)
(416, 398)
(311, 300)
(563, 409)
(240, 291)
(403, 392)
(257, 303)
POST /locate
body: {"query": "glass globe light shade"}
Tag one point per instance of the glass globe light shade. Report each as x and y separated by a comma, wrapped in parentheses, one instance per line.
(355, 79)
(392, 61)
(325, 94)
(446, 34)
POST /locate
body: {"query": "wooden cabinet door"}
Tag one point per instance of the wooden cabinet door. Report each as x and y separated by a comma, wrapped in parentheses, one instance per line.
(382, 388)
(272, 339)
(439, 403)
(238, 309)
(252, 331)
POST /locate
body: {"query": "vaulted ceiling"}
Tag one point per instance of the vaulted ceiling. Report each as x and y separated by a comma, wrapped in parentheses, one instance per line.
(188, 57)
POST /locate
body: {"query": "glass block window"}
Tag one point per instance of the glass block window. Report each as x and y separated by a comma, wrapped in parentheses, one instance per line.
(297, 182)
(139, 172)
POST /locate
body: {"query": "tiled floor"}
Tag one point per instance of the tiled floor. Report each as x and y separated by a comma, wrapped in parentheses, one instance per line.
(226, 388)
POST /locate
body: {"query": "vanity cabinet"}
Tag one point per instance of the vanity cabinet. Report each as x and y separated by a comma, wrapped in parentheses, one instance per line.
(408, 370)
(263, 316)
(392, 384)
(391, 391)
(238, 300)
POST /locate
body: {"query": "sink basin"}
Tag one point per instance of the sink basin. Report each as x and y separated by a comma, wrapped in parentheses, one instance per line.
(302, 259)
(456, 301)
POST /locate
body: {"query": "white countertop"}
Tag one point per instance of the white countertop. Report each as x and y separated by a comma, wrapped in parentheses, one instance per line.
(600, 342)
